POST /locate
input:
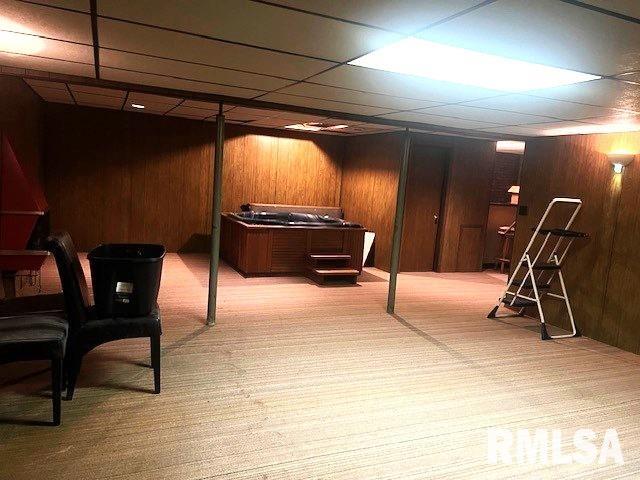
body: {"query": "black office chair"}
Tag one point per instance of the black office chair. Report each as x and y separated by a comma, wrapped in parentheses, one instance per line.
(36, 337)
(86, 331)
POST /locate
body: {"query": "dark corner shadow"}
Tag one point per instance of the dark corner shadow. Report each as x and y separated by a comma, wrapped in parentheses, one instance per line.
(454, 353)
(25, 423)
(197, 243)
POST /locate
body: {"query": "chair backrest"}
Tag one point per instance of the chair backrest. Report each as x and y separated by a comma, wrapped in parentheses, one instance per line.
(77, 299)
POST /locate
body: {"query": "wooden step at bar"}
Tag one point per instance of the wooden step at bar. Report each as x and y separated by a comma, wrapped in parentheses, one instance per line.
(329, 256)
(336, 271)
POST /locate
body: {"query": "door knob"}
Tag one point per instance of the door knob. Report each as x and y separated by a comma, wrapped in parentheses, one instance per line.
(435, 218)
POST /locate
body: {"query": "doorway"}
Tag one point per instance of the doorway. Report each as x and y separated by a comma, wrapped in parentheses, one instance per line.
(422, 212)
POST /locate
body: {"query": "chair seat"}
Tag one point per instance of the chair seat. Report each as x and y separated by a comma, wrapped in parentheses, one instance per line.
(33, 336)
(97, 331)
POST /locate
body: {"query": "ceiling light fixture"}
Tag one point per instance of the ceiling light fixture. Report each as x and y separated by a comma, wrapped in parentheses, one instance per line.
(137, 105)
(510, 146)
(14, 38)
(413, 56)
(595, 128)
(304, 126)
(315, 127)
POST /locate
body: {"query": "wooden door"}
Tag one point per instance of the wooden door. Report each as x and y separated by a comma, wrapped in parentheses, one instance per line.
(425, 183)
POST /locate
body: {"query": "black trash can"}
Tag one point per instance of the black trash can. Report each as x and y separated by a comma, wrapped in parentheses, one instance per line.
(126, 278)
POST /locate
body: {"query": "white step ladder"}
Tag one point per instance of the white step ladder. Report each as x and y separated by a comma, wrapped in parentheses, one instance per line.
(540, 270)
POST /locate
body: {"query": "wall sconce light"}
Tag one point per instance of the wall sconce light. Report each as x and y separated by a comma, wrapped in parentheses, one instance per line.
(620, 160)
(515, 194)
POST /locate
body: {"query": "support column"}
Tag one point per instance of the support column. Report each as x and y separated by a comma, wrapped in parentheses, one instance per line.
(215, 220)
(397, 224)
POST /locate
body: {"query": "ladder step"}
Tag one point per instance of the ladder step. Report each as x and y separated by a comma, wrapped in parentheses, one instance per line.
(527, 284)
(544, 266)
(561, 232)
(519, 302)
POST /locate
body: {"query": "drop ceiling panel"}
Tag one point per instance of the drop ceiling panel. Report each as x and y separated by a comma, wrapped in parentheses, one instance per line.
(192, 112)
(81, 5)
(34, 82)
(438, 120)
(602, 93)
(548, 32)
(485, 115)
(395, 84)
(144, 98)
(626, 7)
(323, 104)
(541, 129)
(53, 94)
(45, 21)
(406, 16)
(102, 101)
(294, 117)
(174, 83)
(46, 65)
(542, 106)
(108, 92)
(142, 63)
(352, 96)
(213, 106)
(255, 23)
(152, 41)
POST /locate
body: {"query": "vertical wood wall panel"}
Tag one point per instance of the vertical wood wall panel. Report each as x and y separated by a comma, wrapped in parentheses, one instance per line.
(467, 200)
(601, 273)
(369, 186)
(128, 177)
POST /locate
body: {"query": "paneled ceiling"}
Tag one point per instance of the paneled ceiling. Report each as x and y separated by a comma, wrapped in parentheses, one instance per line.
(295, 52)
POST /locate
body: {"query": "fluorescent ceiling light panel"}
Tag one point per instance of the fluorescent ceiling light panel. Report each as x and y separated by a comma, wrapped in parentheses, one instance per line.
(413, 56)
(510, 146)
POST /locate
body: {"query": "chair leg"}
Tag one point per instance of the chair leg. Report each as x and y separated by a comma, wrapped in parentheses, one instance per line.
(56, 388)
(72, 371)
(155, 361)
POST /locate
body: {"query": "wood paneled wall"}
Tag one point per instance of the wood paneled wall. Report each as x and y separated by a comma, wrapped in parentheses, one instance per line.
(602, 273)
(281, 167)
(369, 186)
(21, 117)
(127, 177)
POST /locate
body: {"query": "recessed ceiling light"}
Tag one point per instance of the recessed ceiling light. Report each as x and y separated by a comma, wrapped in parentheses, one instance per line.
(137, 105)
(587, 129)
(14, 38)
(422, 58)
(510, 146)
